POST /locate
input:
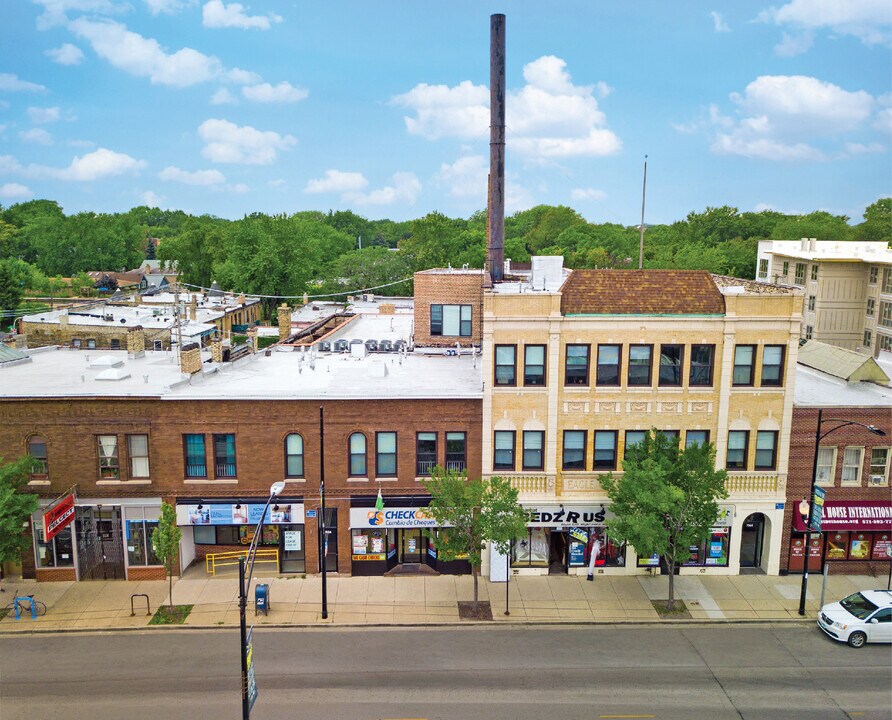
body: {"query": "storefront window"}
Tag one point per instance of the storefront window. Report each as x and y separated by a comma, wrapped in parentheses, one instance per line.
(57, 552)
(531, 551)
(712, 552)
(139, 525)
(837, 546)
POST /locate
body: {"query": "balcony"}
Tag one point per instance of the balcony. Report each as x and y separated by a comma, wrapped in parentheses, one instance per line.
(755, 484)
(527, 485)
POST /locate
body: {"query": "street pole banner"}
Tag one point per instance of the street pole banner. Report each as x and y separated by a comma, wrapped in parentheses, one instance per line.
(252, 680)
(58, 517)
(817, 508)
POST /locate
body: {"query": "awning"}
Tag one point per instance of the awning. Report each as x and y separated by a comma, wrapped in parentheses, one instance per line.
(863, 515)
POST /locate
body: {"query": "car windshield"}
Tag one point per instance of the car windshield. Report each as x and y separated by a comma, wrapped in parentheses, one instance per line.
(858, 605)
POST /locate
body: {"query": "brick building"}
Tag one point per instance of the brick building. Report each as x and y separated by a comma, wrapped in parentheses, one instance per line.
(449, 307)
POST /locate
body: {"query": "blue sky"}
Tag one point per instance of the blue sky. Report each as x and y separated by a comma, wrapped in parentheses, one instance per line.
(382, 107)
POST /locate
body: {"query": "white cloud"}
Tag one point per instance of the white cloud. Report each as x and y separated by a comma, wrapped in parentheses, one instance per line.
(582, 194)
(240, 188)
(14, 190)
(868, 20)
(795, 44)
(284, 92)
(862, 149)
(719, 23)
(156, 7)
(54, 11)
(8, 164)
(152, 199)
(277, 183)
(144, 57)
(66, 54)
(765, 148)
(441, 111)
(226, 142)
(465, 178)
(243, 77)
(97, 165)
(41, 116)
(223, 97)
(217, 14)
(36, 135)
(336, 181)
(10, 82)
(2, 129)
(199, 177)
(404, 189)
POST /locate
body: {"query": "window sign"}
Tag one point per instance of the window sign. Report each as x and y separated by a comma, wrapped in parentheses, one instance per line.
(240, 514)
(292, 540)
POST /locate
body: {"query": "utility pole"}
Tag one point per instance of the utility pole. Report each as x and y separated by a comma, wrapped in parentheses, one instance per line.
(177, 323)
(323, 534)
(641, 227)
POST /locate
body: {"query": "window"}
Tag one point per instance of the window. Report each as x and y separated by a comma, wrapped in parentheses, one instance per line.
(533, 442)
(851, 466)
(886, 314)
(91, 344)
(115, 344)
(811, 303)
(800, 274)
(456, 447)
(696, 437)
(609, 358)
(451, 320)
(743, 364)
(196, 462)
(826, 466)
(814, 273)
(885, 342)
(871, 307)
(138, 455)
(157, 345)
(640, 364)
(357, 445)
(425, 453)
(673, 435)
(605, 450)
(503, 456)
(224, 455)
(671, 358)
(879, 466)
(294, 456)
(576, 366)
(867, 338)
(773, 365)
(385, 454)
(786, 267)
(701, 365)
(633, 437)
(766, 450)
(37, 451)
(887, 282)
(109, 468)
(738, 442)
(506, 364)
(574, 450)
(534, 365)
(138, 528)
(809, 331)
(873, 275)
(763, 267)
(56, 552)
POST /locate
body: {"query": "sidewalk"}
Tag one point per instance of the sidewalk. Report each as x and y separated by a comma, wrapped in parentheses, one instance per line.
(423, 599)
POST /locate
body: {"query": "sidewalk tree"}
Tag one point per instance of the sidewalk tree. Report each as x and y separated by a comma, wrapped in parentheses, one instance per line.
(472, 512)
(666, 499)
(166, 541)
(16, 507)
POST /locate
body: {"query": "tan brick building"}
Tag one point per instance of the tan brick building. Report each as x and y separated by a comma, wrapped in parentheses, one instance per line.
(449, 307)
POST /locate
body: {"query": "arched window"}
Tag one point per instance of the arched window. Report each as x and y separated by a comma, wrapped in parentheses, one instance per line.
(357, 455)
(37, 450)
(294, 455)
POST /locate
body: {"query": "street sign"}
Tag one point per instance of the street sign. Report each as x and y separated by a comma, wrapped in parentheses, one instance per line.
(817, 508)
(311, 513)
(252, 680)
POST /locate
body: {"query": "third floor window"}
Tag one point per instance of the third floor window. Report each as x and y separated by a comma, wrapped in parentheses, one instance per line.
(451, 320)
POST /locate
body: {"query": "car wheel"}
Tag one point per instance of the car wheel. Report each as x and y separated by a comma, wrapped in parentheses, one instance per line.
(857, 639)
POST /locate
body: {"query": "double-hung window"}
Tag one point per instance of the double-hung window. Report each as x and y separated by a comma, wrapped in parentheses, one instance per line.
(738, 449)
(451, 320)
(138, 455)
(799, 279)
(702, 359)
(826, 466)
(874, 272)
(879, 466)
(885, 319)
(576, 366)
(294, 456)
(887, 282)
(533, 449)
(763, 268)
(605, 450)
(851, 466)
(609, 359)
(357, 450)
(574, 450)
(811, 303)
(534, 365)
(868, 339)
(224, 455)
(696, 437)
(814, 273)
(773, 365)
(633, 438)
(503, 454)
(786, 268)
(109, 466)
(506, 365)
(37, 451)
(196, 461)
(744, 360)
(871, 307)
(456, 451)
(640, 363)
(425, 453)
(766, 450)
(385, 454)
(671, 359)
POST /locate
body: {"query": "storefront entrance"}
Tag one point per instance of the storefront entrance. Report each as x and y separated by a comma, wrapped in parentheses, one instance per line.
(412, 545)
(751, 541)
(100, 542)
(558, 558)
(292, 556)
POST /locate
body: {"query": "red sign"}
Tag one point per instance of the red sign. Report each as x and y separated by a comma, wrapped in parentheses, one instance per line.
(857, 515)
(59, 517)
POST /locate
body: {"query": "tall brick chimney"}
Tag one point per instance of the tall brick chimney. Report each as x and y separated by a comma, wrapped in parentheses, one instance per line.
(217, 350)
(190, 359)
(193, 308)
(495, 249)
(136, 342)
(284, 321)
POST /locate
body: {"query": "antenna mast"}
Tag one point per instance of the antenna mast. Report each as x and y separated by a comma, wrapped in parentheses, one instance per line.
(641, 227)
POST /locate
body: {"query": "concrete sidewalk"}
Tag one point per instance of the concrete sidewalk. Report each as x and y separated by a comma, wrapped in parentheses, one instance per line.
(423, 599)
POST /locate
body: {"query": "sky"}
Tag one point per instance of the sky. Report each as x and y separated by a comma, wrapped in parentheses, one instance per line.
(382, 108)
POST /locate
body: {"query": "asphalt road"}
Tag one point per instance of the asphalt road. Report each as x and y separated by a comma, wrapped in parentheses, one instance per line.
(521, 673)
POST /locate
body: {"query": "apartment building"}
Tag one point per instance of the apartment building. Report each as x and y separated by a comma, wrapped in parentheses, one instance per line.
(847, 286)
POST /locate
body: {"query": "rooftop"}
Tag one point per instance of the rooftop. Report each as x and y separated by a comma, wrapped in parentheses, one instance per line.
(818, 389)
(841, 363)
(866, 251)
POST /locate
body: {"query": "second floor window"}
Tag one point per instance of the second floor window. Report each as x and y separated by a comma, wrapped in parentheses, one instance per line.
(451, 320)
(294, 455)
(743, 364)
(639, 365)
(671, 359)
(609, 357)
(456, 451)
(763, 267)
(738, 443)
(826, 471)
(574, 450)
(506, 365)
(700, 374)
(357, 455)
(385, 455)
(696, 437)
(633, 438)
(766, 450)
(851, 465)
(885, 315)
(503, 452)
(138, 454)
(196, 462)
(37, 451)
(109, 467)
(773, 365)
(576, 366)
(874, 272)
(534, 365)
(814, 273)
(887, 282)
(533, 449)
(224, 456)
(425, 453)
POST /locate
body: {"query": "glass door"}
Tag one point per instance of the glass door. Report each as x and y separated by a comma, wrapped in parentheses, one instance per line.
(291, 549)
(411, 545)
(330, 546)
(751, 541)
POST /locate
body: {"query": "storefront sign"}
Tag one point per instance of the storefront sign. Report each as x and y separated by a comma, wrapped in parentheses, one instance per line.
(857, 515)
(369, 556)
(394, 517)
(239, 514)
(59, 517)
(560, 515)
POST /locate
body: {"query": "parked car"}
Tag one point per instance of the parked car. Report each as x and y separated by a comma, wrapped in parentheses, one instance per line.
(861, 618)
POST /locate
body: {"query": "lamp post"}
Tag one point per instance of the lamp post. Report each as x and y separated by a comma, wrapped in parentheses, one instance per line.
(323, 537)
(808, 507)
(243, 584)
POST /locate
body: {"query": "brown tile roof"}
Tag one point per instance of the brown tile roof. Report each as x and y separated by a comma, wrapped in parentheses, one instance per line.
(641, 292)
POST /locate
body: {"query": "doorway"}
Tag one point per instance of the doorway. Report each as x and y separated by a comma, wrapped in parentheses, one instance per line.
(557, 552)
(751, 541)
(291, 549)
(100, 542)
(411, 545)
(330, 546)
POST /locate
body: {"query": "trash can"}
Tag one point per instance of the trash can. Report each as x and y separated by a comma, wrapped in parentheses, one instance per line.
(261, 599)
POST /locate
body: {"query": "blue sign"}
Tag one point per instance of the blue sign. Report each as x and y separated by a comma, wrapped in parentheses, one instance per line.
(311, 513)
(778, 506)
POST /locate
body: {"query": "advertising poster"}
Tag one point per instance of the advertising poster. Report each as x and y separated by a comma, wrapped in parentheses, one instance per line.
(577, 553)
(378, 544)
(881, 545)
(837, 544)
(859, 548)
(360, 544)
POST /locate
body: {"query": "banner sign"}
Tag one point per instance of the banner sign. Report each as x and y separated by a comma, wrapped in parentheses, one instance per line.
(252, 678)
(817, 508)
(857, 515)
(59, 517)
(240, 514)
(391, 517)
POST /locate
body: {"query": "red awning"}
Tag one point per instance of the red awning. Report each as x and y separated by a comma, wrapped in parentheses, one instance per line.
(860, 515)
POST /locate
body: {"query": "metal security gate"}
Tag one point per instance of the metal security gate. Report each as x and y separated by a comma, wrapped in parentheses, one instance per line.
(100, 543)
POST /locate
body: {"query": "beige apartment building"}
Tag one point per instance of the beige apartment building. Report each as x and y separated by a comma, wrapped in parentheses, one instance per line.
(847, 286)
(578, 365)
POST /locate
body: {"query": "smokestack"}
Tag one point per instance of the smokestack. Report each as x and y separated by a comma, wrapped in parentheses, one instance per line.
(495, 250)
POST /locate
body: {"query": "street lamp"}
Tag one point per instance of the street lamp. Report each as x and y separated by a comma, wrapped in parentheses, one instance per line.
(806, 508)
(275, 490)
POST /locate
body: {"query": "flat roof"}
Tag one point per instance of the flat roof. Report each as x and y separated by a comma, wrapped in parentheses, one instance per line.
(818, 389)
(865, 251)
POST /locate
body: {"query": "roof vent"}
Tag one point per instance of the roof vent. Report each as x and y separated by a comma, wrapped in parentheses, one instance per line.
(113, 374)
(106, 361)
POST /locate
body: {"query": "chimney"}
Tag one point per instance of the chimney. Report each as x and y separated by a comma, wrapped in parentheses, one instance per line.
(240, 299)
(190, 359)
(252, 338)
(495, 250)
(193, 308)
(217, 350)
(136, 342)
(284, 321)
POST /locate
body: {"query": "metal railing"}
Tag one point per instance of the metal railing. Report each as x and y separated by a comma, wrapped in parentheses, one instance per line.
(424, 467)
(196, 470)
(458, 465)
(212, 561)
(224, 470)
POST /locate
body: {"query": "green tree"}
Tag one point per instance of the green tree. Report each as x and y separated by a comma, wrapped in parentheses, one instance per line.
(11, 291)
(472, 512)
(166, 542)
(16, 507)
(877, 223)
(666, 499)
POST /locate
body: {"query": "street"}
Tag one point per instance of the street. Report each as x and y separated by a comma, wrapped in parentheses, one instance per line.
(504, 673)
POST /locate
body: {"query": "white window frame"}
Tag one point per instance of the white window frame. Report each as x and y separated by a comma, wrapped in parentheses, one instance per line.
(828, 477)
(133, 457)
(885, 470)
(846, 466)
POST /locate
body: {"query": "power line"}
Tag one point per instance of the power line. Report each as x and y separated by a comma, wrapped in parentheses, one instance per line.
(312, 297)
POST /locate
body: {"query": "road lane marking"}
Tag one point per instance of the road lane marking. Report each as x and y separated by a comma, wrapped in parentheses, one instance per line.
(625, 716)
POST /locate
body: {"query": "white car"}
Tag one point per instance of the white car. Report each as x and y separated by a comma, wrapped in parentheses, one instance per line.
(863, 617)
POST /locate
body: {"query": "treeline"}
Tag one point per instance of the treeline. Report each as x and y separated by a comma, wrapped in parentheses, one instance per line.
(319, 253)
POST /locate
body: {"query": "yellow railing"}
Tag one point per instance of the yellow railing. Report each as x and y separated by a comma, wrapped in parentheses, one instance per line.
(751, 483)
(225, 559)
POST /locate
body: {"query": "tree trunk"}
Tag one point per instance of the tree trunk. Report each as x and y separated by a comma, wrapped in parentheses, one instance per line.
(170, 580)
(671, 565)
(474, 573)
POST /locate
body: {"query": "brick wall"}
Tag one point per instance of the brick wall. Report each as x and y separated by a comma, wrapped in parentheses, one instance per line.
(56, 574)
(448, 287)
(146, 573)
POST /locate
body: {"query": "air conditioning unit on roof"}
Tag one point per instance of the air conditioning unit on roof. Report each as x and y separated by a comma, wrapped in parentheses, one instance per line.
(877, 480)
